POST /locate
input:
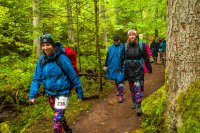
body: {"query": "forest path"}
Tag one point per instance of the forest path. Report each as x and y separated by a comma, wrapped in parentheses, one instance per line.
(109, 116)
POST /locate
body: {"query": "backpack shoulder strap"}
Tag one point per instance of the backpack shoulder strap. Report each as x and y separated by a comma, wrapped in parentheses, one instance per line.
(43, 63)
(125, 50)
(141, 45)
(60, 65)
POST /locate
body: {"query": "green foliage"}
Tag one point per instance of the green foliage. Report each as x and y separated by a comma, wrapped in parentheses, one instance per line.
(145, 16)
(15, 23)
(189, 109)
(30, 114)
(15, 74)
(4, 127)
(153, 108)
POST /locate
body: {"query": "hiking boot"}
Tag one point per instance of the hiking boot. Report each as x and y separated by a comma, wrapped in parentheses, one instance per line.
(120, 100)
(138, 111)
(69, 130)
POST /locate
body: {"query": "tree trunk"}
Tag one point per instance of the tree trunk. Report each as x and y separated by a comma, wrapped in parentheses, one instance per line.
(70, 21)
(97, 41)
(78, 33)
(36, 31)
(103, 16)
(183, 53)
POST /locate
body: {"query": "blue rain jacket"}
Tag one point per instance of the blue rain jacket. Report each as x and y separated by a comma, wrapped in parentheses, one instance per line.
(163, 46)
(55, 82)
(113, 61)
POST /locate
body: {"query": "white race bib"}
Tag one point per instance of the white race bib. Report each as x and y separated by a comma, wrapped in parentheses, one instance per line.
(61, 102)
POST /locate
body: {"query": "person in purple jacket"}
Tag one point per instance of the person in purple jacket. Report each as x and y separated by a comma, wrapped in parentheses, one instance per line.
(56, 83)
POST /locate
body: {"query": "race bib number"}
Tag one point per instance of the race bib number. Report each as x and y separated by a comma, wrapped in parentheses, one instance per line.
(61, 102)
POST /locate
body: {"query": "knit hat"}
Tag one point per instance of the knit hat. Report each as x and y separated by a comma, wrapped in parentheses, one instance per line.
(116, 37)
(47, 38)
(132, 31)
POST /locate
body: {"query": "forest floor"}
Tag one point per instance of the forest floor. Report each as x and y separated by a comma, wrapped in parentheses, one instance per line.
(109, 116)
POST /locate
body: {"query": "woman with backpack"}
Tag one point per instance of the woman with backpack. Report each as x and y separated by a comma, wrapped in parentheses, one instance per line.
(133, 56)
(56, 83)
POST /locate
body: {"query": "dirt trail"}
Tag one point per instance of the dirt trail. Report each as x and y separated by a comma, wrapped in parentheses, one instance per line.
(109, 116)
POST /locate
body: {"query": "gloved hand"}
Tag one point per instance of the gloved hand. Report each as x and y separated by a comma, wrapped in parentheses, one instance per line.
(105, 68)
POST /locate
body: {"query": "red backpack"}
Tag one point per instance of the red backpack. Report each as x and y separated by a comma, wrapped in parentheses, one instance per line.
(72, 56)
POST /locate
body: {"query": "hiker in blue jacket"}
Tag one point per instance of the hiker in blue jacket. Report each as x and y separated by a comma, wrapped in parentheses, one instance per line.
(163, 51)
(112, 65)
(56, 83)
(132, 57)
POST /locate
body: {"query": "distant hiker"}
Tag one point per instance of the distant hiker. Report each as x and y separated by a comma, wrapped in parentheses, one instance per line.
(112, 65)
(56, 83)
(141, 39)
(154, 50)
(163, 51)
(133, 56)
(159, 48)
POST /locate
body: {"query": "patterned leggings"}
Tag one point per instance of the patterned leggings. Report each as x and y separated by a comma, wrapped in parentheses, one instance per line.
(136, 89)
(59, 118)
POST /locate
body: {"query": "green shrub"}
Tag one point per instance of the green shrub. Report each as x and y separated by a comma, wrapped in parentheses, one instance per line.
(153, 108)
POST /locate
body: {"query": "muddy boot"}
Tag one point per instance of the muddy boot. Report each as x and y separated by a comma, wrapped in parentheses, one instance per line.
(138, 110)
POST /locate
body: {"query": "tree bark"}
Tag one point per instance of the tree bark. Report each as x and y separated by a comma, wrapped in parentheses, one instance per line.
(183, 53)
(103, 16)
(36, 31)
(97, 41)
(70, 21)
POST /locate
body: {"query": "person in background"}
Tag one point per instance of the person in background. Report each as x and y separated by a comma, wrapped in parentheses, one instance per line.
(159, 48)
(147, 49)
(154, 50)
(132, 57)
(56, 83)
(163, 50)
(112, 65)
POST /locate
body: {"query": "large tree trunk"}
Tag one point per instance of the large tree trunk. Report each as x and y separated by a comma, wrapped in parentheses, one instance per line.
(36, 31)
(183, 53)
